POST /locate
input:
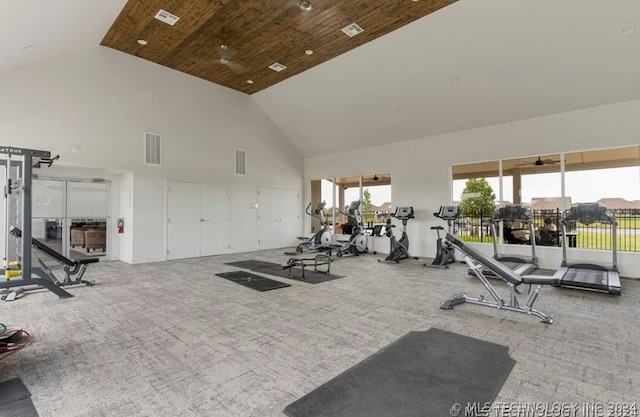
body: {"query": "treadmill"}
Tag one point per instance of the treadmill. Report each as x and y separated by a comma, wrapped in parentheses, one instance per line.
(520, 264)
(589, 275)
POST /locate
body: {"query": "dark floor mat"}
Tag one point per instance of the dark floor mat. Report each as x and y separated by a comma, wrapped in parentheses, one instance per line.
(310, 276)
(20, 408)
(253, 281)
(15, 400)
(423, 374)
(253, 264)
(13, 390)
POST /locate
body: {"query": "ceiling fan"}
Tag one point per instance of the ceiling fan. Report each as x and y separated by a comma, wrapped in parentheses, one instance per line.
(539, 162)
(378, 178)
(224, 58)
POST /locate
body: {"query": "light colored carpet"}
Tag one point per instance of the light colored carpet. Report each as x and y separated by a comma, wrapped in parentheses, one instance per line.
(172, 339)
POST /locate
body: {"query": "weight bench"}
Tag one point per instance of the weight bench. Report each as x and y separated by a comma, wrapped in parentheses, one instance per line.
(71, 268)
(318, 260)
(520, 286)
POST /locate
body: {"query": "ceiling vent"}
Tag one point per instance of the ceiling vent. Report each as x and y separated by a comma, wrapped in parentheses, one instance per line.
(166, 17)
(352, 30)
(277, 67)
(152, 149)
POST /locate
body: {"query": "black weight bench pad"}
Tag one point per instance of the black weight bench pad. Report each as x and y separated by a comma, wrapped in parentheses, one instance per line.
(540, 279)
(52, 253)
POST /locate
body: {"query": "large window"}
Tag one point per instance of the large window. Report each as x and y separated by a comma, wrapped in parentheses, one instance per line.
(591, 177)
(550, 184)
(374, 190)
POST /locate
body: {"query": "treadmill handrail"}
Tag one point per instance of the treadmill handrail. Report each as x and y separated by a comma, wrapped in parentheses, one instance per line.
(532, 243)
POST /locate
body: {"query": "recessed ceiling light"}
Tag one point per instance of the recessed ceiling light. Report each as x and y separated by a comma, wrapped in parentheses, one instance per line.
(453, 80)
(29, 47)
(249, 81)
(309, 52)
(305, 5)
(627, 28)
(142, 42)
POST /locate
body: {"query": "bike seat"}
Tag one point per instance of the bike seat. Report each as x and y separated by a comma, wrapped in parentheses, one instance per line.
(437, 228)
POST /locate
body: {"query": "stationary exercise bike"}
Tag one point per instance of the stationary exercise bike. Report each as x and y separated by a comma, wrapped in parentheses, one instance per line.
(445, 252)
(399, 249)
(357, 243)
(323, 238)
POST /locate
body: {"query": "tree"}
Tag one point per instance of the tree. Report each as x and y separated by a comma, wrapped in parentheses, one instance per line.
(478, 196)
(366, 200)
(367, 215)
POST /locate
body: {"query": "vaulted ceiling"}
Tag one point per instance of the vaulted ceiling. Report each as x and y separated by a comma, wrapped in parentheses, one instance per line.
(419, 68)
(233, 43)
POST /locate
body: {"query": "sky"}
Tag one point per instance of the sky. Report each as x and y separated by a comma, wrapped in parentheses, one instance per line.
(581, 186)
(379, 194)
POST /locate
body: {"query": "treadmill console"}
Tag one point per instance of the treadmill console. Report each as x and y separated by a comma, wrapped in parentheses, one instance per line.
(588, 213)
(512, 213)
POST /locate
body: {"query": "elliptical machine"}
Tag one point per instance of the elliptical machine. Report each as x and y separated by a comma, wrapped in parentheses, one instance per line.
(357, 243)
(445, 252)
(321, 240)
(399, 249)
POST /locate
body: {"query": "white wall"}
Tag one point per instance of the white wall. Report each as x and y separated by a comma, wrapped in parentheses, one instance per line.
(124, 240)
(102, 101)
(420, 168)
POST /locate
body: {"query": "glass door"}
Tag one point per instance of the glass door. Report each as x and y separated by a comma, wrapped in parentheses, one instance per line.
(48, 201)
(71, 216)
(87, 204)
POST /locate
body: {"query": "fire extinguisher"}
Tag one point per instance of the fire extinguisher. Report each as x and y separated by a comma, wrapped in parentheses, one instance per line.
(121, 225)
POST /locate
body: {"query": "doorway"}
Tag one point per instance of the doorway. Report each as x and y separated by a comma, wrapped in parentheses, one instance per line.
(197, 219)
(72, 216)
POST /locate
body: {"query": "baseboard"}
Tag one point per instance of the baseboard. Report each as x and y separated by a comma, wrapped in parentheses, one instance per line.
(146, 260)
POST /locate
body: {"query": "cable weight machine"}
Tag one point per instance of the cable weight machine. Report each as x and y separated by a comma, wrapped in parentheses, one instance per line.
(23, 161)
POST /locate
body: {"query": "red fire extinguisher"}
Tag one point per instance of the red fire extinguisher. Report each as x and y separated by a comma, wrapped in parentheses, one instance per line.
(121, 225)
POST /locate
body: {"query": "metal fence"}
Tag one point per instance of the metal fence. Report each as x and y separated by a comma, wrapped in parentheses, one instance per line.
(475, 227)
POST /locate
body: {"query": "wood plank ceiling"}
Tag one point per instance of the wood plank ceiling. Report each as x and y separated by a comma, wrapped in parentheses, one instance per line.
(257, 33)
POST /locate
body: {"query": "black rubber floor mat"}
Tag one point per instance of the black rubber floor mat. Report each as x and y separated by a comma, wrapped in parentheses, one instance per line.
(253, 281)
(422, 374)
(253, 264)
(310, 276)
(20, 408)
(15, 400)
(13, 390)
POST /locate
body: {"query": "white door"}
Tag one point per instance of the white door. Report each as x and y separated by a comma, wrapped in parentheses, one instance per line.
(183, 218)
(269, 218)
(290, 216)
(214, 219)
